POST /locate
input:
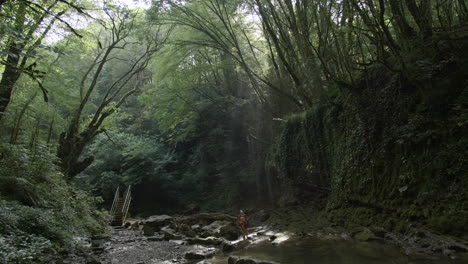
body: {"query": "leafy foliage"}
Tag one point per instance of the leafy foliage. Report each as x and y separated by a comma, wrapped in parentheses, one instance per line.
(123, 158)
(40, 212)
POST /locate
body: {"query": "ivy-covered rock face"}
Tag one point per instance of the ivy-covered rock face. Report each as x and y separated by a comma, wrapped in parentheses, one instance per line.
(385, 158)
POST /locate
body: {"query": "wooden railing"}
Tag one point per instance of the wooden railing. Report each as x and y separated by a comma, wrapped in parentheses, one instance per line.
(120, 206)
(114, 204)
(126, 206)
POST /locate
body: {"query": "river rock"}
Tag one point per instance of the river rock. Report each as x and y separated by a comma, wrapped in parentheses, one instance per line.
(450, 254)
(244, 260)
(170, 233)
(366, 235)
(148, 230)
(157, 221)
(209, 241)
(200, 253)
(204, 262)
(229, 232)
(155, 238)
(186, 230)
(178, 242)
(214, 228)
(279, 238)
(227, 247)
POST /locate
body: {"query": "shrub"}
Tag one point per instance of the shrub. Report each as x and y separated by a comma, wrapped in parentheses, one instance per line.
(39, 210)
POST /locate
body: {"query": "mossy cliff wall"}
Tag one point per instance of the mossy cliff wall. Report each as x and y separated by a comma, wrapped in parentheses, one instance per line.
(395, 154)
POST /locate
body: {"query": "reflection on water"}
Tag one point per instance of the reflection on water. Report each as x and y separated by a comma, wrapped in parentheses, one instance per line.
(315, 251)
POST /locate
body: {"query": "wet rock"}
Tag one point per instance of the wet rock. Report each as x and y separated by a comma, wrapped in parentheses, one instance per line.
(264, 216)
(148, 230)
(449, 253)
(244, 260)
(209, 241)
(157, 221)
(178, 242)
(204, 262)
(155, 238)
(170, 234)
(206, 218)
(186, 230)
(227, 247)
(230, 232)
(200, 253)
(366, 235)
(280, 238)
(214, 229)
(362, 236)
(345, 236)
(242, 244)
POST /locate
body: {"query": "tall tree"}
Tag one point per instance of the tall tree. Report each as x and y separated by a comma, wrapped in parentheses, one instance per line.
(25, 24)
(119, 46)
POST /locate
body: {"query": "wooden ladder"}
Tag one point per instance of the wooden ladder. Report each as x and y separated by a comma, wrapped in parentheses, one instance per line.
(120, 206)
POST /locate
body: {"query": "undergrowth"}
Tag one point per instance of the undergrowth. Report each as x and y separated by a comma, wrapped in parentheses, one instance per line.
(40, 213)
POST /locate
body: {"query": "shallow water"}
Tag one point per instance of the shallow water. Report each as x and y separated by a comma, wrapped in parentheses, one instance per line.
(316, 251)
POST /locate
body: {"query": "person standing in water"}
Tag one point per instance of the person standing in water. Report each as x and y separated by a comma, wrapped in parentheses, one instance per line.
(243, 224)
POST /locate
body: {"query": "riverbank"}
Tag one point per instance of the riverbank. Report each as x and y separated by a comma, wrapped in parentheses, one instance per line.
(204, 239)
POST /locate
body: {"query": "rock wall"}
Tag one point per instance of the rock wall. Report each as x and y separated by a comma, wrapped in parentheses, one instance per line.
(394, 154)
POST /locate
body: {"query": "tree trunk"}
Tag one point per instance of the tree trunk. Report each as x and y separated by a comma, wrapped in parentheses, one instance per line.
(404, 28)
(69, 151)
(10, 76)
(422, 16)
(19, 118)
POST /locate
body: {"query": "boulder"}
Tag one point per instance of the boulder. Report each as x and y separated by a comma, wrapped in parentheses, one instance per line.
(214, 228)
(227, 247)
(245, 260)
(158, 221)
(170, 234)
(200, 253)
(148, 230)
(209, 241)
(186, 230)
(206, 218)
(229, 232)
(279, 238)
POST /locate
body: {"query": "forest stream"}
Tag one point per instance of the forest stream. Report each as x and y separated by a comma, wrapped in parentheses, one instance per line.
(139, 246)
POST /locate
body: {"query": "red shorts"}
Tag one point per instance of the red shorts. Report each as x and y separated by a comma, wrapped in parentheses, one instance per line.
(242, 224)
